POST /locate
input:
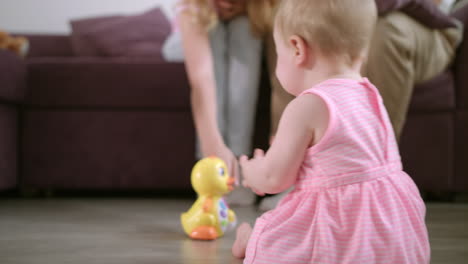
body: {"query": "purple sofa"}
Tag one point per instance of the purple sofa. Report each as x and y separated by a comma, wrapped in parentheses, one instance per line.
(12, 88)
(125, 123)
(104, 123)
(434, 143)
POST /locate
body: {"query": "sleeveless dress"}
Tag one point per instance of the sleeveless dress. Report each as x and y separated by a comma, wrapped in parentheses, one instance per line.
(352, 202)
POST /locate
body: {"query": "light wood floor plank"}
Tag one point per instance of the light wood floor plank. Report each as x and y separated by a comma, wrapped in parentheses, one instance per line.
(147, 231)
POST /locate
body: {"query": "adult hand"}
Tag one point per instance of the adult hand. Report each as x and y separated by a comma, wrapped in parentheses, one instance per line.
(228, 157)
(229, 9)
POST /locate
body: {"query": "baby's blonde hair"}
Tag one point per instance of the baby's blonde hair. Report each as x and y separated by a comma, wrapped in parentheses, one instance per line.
(259, 12)
(336, 27)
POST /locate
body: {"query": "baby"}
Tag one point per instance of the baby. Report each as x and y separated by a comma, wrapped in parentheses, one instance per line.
(352, 202)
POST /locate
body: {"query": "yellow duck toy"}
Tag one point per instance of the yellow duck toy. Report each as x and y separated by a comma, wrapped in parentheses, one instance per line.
(209, 217)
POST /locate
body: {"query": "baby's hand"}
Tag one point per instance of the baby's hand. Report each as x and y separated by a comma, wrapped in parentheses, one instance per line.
(257, 192)
(250, 168)
(259, 154)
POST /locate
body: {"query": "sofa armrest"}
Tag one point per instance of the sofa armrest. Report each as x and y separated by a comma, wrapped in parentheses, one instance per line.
(461, 60)
(12, 77)
(424, 11)
(49, 45)
(103, 82)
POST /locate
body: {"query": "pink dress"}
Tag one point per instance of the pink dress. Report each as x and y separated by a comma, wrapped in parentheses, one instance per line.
(352, 203)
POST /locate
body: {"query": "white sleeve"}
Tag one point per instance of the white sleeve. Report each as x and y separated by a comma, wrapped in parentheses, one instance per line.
(446, 5)
(172, 50)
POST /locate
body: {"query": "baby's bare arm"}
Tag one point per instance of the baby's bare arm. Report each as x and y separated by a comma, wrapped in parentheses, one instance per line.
(303, 123)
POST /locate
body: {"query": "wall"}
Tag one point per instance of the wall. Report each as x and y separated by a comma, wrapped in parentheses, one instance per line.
(52, 16)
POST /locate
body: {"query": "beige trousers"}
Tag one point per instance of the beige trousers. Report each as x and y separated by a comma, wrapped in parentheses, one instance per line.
(403, 53)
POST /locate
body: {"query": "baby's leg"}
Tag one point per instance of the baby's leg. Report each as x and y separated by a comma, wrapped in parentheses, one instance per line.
(242, 238)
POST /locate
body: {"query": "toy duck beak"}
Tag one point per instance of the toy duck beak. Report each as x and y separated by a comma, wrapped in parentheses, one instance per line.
(230, 182)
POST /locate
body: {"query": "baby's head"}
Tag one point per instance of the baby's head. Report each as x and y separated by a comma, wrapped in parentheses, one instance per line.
(309, 30)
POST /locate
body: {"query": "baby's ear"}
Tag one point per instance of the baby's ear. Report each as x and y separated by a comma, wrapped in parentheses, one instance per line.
(301, 50)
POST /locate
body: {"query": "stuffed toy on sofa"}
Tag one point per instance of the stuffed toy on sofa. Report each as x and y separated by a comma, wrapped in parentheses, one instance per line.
(18, 45)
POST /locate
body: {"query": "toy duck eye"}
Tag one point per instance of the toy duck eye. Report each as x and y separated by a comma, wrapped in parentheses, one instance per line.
(221, 171)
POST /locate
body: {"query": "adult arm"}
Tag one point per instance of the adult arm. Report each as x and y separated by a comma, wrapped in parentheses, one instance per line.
(199, 67)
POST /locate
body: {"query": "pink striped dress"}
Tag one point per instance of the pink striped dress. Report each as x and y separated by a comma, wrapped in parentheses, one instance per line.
(352, 203)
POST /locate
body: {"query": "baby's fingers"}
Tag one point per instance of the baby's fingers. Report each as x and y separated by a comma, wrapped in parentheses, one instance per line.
(259, 153)
(258, 192)
(246, 185)
(243, 159)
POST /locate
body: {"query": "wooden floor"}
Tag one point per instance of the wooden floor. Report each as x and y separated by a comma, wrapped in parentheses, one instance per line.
(147, 231)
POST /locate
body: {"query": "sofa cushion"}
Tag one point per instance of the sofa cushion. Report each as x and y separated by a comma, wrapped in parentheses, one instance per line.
(107, 82)
(436, 94)
(12, 77)
(80, 43)
(138, 35)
